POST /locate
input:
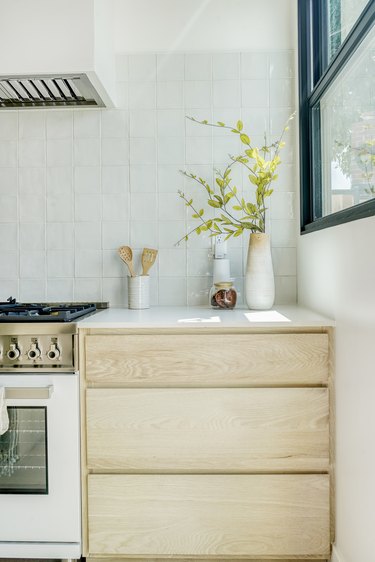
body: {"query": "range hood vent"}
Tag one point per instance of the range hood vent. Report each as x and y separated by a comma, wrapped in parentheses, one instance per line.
(48, 90)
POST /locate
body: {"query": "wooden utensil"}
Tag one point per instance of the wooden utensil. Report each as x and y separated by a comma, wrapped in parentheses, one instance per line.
(148, 259)
(126, 254)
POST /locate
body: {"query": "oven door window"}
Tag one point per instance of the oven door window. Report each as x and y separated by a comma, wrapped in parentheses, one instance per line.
(23, 452)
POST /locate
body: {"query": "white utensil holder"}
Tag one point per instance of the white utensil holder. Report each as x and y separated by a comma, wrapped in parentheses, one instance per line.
(139, 292)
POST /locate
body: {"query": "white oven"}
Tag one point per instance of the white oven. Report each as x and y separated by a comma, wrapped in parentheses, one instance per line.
(40, 466)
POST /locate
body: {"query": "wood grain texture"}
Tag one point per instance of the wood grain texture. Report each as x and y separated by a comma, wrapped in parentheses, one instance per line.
(213, 360)
(206, 559)
(208, 430)
(254, 515)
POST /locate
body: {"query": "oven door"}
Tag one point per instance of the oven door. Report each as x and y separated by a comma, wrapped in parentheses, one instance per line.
(40, 460)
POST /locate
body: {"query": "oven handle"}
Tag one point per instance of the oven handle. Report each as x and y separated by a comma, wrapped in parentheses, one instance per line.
(28, 393)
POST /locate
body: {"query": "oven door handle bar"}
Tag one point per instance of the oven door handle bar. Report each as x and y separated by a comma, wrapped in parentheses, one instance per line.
(28, 393)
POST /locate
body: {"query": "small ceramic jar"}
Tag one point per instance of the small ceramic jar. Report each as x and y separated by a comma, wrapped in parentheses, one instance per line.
(223, 295)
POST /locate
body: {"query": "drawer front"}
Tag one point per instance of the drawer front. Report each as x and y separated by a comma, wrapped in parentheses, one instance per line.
(269, 516)
(207, 360)
(211, 430)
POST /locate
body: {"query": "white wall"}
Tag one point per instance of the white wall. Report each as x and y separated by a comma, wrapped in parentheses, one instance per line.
(336, 276)
(195, 25)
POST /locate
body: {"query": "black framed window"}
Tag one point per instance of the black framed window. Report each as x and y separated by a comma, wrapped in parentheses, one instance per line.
(337, 111)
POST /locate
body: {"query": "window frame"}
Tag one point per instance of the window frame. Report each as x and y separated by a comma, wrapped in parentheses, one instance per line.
(315, 77)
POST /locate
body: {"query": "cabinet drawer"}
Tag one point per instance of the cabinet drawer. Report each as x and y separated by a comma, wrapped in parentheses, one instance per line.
(204, 515)
(209, 430)
(207, 360)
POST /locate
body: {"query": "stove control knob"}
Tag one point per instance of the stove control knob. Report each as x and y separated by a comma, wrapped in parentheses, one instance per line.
(13, 352)
(53, 353)
(34, 352)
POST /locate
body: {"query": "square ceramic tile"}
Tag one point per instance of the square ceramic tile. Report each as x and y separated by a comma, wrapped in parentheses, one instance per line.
(115, 123)
(256, 121)
(170, 178)
(122, 95)
(170, 67)
(204, 171)
(282, 92)
(88, 236)
(142, 151)
(142, 67)
(32, 124)
(59, 124)
(32, 208)
(198, 150)
(113, 266)
(198, 66)
(282, 205)
(278, 119)
(59, 152)
(32, 264)
(32, 153)
(143, 178)
(282, 64)
(254, 93)
(8, 236)
(198, 93)
(60, 263)
(171, 207)
(88, 263)
(170, 231)
(32, 236)
(115, 292)
(9, 265)
(171, 150)
(226, 93)
(122, 68)
(172, 262)
(32, 181)
(115, 179)
(60, 207)
(88, 289)
(170, 122)
(144, 234)
(254, 66)
(284, 233)
(9, 125)
(86, 179)
(8, 181)
(172, 291)
(197, 291)
(142, 123)
(86, 123)
(60, 235)
(285, 289)
(59, 181)
(143, 206)
(226, 66)
(197, 241)
(224, 147)
(284, 261)
(115, 234)
(60, 290)
(32, 290)
(8, 287)
(169, 95)
(199, 263)
(88, 208)
(115, 207)
(8, 153)
(195, 129)
(8, 208)
(86, 152)
(142, 95)
(115, 152)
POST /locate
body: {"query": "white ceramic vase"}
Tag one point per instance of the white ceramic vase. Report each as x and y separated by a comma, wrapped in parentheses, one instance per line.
(259, 278)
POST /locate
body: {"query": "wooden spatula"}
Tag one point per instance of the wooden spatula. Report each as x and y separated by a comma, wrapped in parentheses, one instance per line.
(126, 254)
(148, 259)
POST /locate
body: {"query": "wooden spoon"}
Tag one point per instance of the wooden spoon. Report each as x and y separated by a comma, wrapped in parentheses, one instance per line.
(148, 259)
(126, 254)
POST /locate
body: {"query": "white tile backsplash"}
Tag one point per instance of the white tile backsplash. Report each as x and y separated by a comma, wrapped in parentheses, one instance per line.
(77, 184)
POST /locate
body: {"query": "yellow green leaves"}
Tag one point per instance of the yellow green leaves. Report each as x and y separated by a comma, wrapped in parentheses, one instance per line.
(245, 139)
(239, 125)
(214, 203)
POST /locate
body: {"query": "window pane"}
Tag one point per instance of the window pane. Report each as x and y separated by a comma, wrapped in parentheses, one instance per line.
(347, 136)
(342, 15)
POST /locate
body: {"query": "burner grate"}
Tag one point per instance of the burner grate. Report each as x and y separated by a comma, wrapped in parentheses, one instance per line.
(12, 311)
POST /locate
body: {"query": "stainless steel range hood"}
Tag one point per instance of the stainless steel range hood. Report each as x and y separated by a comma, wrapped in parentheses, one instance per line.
(65, 58)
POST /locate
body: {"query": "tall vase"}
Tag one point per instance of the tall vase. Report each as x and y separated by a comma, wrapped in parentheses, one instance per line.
(259, 278)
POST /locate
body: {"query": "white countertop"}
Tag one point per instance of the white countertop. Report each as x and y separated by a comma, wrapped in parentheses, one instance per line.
(195, 317)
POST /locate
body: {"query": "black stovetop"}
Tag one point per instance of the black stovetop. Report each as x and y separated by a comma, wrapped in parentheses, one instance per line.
(12, 311)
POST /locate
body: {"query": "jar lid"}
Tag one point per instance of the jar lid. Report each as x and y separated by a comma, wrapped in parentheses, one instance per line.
(224, 284)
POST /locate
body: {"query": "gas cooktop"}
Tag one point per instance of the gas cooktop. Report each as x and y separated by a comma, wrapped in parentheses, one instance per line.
(13, 311)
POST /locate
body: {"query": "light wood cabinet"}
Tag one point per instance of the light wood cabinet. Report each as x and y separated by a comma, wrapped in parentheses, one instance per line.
(207, 446)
